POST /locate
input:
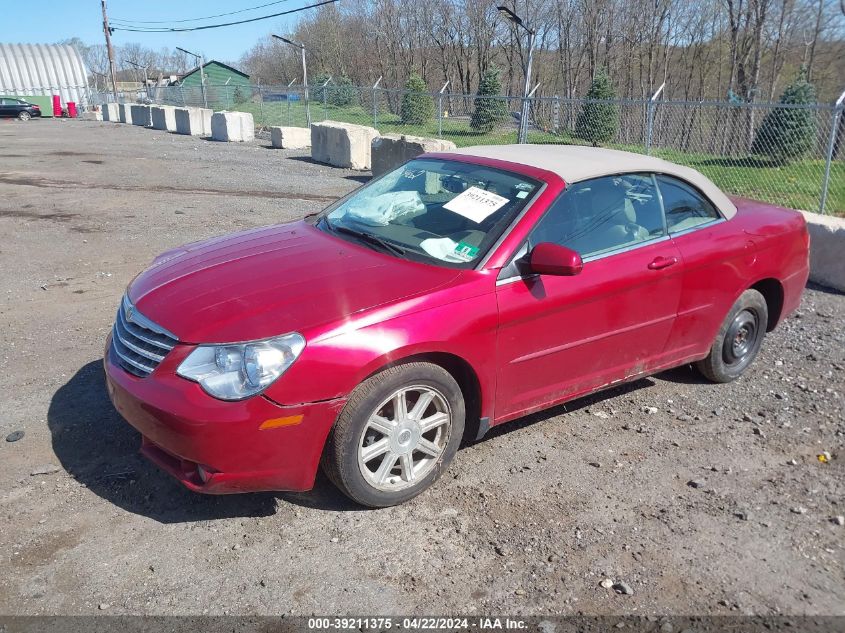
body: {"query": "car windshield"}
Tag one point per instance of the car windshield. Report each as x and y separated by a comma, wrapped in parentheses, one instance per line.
(445, 212)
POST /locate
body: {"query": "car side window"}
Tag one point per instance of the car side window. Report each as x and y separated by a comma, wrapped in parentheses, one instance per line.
(603, 214)
(685, 208)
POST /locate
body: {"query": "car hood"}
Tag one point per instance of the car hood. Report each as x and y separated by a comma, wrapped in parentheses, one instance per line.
(270, 281)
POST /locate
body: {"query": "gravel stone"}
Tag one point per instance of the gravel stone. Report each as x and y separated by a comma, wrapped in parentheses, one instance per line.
(502, 550)
(621, 587)
(45, 469)
(14, 436)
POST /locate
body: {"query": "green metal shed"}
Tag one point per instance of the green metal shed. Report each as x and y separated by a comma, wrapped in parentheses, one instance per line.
(216, 74)
(225, 86)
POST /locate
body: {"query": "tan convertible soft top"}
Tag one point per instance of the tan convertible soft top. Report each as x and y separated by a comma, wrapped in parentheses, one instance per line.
(574, 163)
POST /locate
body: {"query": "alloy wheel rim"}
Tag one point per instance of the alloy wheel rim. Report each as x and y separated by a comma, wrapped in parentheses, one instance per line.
(741, 337)
(404, 438)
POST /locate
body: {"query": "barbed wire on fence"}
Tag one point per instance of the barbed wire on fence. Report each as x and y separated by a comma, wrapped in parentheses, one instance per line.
(785, 154)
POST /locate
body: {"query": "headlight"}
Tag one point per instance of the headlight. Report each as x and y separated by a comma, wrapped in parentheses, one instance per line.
(235, 372)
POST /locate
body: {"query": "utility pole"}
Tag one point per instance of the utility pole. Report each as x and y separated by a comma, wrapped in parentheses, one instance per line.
(110, 50)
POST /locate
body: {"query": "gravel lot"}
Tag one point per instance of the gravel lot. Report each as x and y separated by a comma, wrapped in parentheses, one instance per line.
(703, 499)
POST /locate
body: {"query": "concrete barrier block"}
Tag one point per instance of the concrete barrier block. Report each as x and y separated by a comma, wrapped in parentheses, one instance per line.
(141, 115)
(91, 115)
(193, 121)
(290, 137)
(827, 250)
(342, 144)
(111, 112)
(163, 118)
(124, 113)
(232, 127)
(391, 150)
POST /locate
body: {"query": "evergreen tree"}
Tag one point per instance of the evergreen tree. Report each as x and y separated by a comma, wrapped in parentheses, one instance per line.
(598, 120)
(788, 133)
(342, 93)
(315, 86)
(417, 104)
(489, 107)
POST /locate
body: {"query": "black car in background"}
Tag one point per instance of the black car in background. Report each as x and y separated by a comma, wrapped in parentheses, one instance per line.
(23, 110)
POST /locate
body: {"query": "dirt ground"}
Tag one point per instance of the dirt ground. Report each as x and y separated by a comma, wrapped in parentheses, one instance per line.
(527, 521)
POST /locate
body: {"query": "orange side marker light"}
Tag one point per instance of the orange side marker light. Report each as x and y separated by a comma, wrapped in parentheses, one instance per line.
(275, 423)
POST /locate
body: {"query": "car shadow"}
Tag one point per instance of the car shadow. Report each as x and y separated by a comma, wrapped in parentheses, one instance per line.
(565, 408)
(683, 375)
(100, 450)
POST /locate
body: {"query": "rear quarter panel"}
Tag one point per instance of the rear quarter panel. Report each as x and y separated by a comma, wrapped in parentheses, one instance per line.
(783, 247)
(725, 259)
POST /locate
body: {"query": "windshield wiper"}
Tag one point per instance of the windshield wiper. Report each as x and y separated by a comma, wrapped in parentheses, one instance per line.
(369, 238)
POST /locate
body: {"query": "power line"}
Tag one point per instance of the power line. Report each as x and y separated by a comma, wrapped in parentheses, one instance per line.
(217, 26)
(208, 17)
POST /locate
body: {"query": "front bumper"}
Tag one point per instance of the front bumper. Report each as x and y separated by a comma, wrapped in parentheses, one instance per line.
(184, 428)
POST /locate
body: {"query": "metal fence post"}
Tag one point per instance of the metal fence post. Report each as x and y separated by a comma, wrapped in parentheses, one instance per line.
(375, 103)
(440, 110)
(556, 114)
(650, 125)
(831, 143)
(522, 133)
(287, 98)
(325, 90)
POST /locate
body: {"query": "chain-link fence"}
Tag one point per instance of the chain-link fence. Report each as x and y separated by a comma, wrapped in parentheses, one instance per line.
(789, 155)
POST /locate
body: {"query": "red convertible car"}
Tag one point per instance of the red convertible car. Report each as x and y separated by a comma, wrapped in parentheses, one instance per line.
(460, 291)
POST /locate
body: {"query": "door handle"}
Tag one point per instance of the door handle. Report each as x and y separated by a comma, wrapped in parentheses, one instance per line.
(662, 262)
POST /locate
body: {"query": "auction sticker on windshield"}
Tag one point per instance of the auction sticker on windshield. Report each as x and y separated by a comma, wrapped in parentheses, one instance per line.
(476, 204)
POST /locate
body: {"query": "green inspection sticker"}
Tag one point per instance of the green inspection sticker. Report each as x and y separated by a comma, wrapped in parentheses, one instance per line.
(466, 252)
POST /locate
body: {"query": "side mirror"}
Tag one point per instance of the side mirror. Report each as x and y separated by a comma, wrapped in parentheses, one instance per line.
(552, 259)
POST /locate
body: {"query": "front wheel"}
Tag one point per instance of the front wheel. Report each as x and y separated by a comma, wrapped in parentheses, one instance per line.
(739, 339)
(399, 431)
(24, 116)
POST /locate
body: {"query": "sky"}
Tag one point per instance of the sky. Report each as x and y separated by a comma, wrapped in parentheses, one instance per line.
(62, 19)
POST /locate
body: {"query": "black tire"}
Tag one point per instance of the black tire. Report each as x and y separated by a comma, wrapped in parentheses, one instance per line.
(341, 455)
(24, 115)
(739, 339)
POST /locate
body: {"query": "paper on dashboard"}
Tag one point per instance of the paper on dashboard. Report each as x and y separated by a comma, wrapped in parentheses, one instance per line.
(476, 204)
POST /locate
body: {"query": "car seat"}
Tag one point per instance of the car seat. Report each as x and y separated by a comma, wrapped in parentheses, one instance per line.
(607, 220)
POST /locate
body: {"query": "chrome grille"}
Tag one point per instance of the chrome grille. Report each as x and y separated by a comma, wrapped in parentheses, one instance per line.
(137, 344)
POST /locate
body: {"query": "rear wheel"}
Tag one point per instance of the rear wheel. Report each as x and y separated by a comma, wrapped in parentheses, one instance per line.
(24, 116)
(739, 339)
(399, 431)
